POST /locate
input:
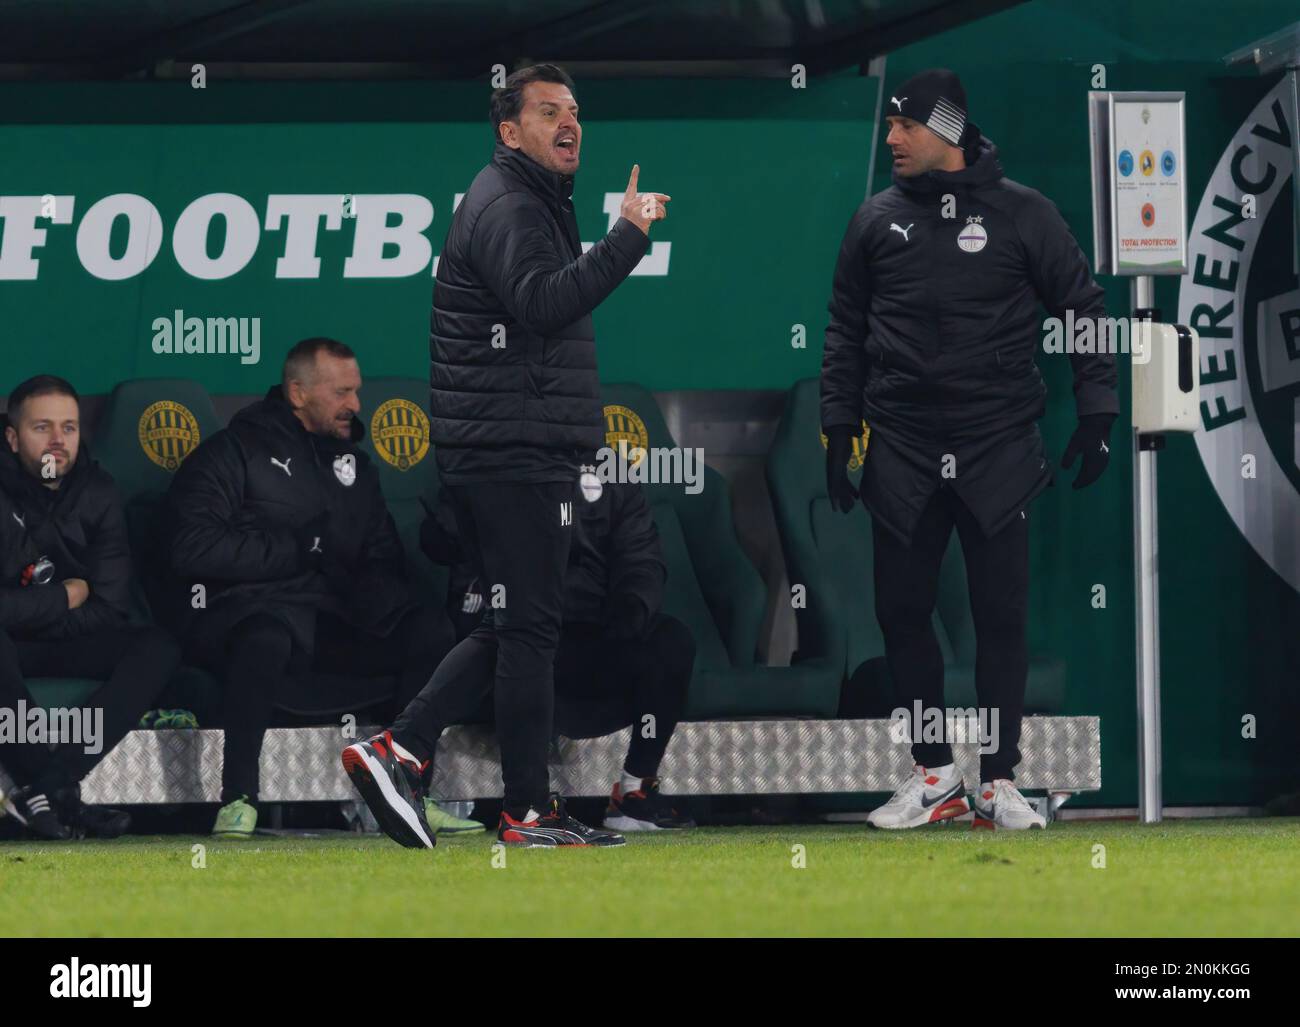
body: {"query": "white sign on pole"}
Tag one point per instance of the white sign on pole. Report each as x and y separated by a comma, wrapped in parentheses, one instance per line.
(1139, 183)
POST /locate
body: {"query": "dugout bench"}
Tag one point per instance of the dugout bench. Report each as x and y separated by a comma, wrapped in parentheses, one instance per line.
(751, 729)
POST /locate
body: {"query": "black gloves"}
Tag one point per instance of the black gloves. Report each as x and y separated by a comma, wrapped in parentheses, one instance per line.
(839, 445)
(1092, 439)
(438, 543)
(312, 538)
(628, 619)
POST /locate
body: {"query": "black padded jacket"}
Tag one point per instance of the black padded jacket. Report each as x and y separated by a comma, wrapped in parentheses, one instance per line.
(935, 322)
(512, 346)
(236, 507)
(80, 527)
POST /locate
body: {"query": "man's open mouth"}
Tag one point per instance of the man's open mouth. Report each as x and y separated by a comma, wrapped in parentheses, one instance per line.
(567, 142)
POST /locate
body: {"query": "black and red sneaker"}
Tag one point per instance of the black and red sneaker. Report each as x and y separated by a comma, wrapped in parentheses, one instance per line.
(391, 787)
(552, 827)
(643, 810)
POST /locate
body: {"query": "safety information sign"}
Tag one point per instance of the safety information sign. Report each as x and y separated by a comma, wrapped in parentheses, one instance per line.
(1139, 183)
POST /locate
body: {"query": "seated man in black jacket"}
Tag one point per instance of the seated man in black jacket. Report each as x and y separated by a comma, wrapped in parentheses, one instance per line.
(305, 605)
(64, 602)
(621, 662)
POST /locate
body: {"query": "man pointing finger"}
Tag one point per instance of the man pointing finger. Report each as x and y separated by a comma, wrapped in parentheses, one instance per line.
(515, 399)
(642, 208)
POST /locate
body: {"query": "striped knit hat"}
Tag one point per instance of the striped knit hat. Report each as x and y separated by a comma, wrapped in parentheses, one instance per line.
(937, 100)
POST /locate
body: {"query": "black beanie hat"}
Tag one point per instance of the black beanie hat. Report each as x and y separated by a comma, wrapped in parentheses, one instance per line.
(937, 100)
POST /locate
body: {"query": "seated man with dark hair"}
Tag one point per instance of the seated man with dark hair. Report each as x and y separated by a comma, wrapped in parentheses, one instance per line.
(620, 662)
(306, 606)
(64, 604)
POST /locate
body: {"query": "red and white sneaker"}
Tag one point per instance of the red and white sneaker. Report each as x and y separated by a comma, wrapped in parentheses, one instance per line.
(551, 827)
(1000, 804)
(390, 785)
(924, 798)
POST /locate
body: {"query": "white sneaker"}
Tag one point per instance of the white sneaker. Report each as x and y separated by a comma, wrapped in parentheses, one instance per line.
(924, 798)
(1000, 804)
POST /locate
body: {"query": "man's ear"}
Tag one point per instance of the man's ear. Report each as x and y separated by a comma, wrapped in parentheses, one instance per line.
(293, 394)
(509, 133)
(11, 437)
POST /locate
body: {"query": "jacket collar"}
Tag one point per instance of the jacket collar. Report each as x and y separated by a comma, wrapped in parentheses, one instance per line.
(23, 487)
(551, 186)
(982, 167)
(273, 407)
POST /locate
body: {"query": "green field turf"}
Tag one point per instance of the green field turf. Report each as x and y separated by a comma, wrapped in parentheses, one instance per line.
(1221, 877)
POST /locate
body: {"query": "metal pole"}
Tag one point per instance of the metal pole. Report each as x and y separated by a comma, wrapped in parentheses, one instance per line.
(1293, 74)
(1146, 566)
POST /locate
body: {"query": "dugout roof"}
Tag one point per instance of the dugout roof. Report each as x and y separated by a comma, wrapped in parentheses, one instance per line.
(125, 39)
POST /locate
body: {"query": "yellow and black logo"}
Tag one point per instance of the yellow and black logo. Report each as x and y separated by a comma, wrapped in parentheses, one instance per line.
(623, 425)
(399, 431)
(859, 453)
(168, 433)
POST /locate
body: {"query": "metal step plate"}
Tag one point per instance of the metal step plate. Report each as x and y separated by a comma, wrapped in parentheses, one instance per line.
(725, 757)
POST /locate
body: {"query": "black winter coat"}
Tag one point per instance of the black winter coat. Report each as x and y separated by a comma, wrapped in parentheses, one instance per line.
(513, 259)
(235, 514)
(932, 342)
(80, 527)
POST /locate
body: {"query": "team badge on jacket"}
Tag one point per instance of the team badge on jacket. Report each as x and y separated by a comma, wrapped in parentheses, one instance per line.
(590, 485)
(345, 469)
(972, 238)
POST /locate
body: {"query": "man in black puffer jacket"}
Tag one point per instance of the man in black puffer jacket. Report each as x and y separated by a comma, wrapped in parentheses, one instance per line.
(515, 396)
(306, 602)
(65, 602)
(935, 318)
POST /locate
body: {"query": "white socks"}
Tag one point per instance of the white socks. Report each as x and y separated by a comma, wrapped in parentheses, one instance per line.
(403, 753)
(628, 783)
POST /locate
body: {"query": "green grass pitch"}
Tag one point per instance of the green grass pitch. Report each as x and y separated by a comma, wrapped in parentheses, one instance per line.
(1180, 878)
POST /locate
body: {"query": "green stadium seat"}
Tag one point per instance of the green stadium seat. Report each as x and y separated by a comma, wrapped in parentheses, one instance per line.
(145, 431)
(712, 587)
(831, 554)
(396, 416)
(147, 428)
(61, 692)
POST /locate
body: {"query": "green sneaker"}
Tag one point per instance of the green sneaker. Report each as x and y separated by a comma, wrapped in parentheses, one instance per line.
(442, 822)
(235, 820)
(157, 720)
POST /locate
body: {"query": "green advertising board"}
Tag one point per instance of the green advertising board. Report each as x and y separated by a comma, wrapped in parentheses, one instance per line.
(132, 217)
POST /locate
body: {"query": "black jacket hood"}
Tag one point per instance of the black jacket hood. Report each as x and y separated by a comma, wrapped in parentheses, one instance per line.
(982, 167)
(274, 412)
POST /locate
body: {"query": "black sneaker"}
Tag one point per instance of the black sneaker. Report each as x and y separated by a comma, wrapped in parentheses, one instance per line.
(553, 827)
(90, 821)
(38, 816)
(643, 810)
(391, 788)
